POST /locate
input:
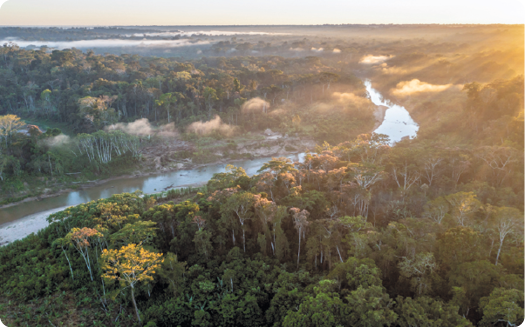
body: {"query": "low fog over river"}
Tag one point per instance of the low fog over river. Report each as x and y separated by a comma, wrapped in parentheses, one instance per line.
(21, 220)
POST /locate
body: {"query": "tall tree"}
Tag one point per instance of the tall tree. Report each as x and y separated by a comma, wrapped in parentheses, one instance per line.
(79, 238)
(9, 125)
(463, 205)
(239, 207)
(508, 221)
(300, 221)
(130, 265)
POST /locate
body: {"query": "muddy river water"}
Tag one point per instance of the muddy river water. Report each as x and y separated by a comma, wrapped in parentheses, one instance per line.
(20, 220)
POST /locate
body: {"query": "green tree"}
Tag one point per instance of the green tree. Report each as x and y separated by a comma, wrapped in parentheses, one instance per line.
(369, 307)
(323, 309)
(239, 207)
(203, 243)
(172, 271)
(426, 311)
(143, 232)
(503, 307)
(418, 270)
(508, 221)
(300, 222)
(463, 205)
(210, 96)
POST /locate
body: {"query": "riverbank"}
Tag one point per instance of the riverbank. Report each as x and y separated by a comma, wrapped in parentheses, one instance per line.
(163, 160)
(21, 228)
(158, 159)
(29, 222)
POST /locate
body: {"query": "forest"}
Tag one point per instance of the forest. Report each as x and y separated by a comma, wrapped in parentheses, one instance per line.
(358, 234)
(362, 232)
(148, 101)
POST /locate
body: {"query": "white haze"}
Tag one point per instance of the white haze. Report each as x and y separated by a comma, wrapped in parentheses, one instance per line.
(111, 43)
(216, 125)
(205, 33)
(416, 86)
(142, 127)
(370, 59)
(58, 140)
(255, 105)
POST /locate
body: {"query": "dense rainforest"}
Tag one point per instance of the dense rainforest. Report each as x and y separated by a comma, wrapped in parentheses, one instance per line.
(92, 98)
(359, 234)
(424, 232)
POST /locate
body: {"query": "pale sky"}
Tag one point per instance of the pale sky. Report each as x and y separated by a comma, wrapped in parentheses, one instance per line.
(253, 12)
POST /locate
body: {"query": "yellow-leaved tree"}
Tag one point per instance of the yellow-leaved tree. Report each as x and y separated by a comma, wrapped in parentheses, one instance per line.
(9, 125)
(130, 265)
(79, 238)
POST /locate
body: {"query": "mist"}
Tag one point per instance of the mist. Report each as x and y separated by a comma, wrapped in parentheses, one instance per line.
(216, 125)
(416, 86)
(204, 33)
(370, 59)
(350, 98)
(110, 43)
(58, 140)
(255, 105)
(142, 127)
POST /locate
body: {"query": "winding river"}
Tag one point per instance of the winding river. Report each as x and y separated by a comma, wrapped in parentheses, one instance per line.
(23, 219)
(397, 123)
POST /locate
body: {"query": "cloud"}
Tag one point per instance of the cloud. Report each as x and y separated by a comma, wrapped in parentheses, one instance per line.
(336, 51)
(370, 59)
(213, 126)
(255, 105)
(317, 50)
(111, 43)
(416, 86)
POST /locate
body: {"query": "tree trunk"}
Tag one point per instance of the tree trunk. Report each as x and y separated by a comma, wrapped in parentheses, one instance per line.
(135, 303)
(499, 251)
(340, 258)
(71, 269)
(243, 241)
(299, 251)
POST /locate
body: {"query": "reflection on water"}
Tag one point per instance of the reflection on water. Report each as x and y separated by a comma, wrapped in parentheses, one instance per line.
(147, 184)
(397, 123)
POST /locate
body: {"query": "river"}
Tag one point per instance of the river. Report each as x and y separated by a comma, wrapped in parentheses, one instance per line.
(397, 123)
(21, 220)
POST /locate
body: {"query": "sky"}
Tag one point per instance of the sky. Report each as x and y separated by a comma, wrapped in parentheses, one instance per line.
(257, 12)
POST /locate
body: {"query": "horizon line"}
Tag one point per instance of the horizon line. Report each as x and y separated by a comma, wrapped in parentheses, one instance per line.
(277, 25)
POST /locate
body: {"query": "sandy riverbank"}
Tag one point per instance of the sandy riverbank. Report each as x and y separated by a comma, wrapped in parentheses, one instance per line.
(18, 229)
(379, 115)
